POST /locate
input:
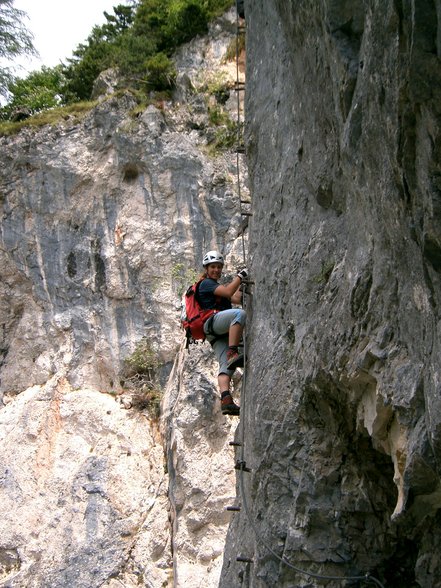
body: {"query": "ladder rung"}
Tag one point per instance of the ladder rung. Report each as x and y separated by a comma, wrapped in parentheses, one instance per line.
(246, 213)
(235, 443)
(244, 559)
(233, 508)
(245, 201)
(241, 465)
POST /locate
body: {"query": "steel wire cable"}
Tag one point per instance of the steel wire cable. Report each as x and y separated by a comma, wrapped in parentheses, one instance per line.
(239, 193)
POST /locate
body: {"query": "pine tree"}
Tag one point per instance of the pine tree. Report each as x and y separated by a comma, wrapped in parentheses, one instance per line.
(15, 40)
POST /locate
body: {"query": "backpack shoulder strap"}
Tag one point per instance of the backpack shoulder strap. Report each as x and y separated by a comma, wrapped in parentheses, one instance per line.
(196, 290)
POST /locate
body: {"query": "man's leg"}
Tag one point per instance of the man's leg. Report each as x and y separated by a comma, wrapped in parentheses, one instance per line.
(220, 347)
(232, 322)
(224, 382)
(235, 335)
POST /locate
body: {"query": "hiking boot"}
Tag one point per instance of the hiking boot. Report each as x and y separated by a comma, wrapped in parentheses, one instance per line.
(229, 407)
(234, 359)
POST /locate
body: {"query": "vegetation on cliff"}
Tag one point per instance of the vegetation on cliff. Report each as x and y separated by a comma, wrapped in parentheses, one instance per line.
(137, 40)
(15, 40)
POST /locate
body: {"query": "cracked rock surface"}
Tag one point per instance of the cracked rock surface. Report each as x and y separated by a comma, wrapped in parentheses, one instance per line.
(104, 221)
(343, 406)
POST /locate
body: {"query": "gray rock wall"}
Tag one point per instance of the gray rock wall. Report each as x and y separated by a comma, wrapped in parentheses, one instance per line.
(96, 218)
(103, 222)
(342, 416)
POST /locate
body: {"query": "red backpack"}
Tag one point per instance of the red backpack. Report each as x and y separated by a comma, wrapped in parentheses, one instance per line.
(193, 316)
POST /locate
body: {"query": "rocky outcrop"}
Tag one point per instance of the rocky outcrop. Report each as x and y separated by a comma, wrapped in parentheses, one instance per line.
(84, 492)
(104, 221)
(200, 467)
(342, 410)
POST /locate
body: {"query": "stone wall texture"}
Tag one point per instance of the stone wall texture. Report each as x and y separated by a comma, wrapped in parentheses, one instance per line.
(104, 222)
(342, 409)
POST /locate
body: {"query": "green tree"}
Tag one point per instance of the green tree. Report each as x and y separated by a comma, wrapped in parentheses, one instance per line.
(138, 40)
(161, 73)
(120, 21)
(15, 40)
(150, 18)
(88, 61)
(103, 49)
(185, 20)
(39, 91)
(132, 37)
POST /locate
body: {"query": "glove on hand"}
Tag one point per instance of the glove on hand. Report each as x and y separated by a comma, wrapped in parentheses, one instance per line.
(243, 274)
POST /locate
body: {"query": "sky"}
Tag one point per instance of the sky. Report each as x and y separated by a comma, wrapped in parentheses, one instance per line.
(59, 26)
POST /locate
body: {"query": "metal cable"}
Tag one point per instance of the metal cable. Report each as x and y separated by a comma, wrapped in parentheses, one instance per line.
(238, 133)
(245, 294)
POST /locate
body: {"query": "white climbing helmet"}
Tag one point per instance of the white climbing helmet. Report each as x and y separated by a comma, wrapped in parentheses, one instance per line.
(213, 257)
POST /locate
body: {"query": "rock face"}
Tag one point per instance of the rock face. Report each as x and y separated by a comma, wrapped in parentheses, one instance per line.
(342, 407)
(104, 222)
(200, 467)
(83, 491)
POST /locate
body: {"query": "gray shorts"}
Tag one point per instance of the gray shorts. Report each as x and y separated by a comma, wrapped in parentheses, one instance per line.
(220, 325)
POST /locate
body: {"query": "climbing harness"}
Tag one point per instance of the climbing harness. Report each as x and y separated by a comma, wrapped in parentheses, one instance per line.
(241, 463)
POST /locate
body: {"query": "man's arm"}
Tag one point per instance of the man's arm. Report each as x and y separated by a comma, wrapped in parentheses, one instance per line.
(237, 297)
(228, 290)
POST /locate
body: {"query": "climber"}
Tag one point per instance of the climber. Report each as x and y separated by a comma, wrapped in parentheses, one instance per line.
(224, 329)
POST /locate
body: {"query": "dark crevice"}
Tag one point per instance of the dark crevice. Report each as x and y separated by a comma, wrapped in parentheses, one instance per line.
(399, 569)
(71, 265)
(99, 266)
(130, 172)
(432, 252)
(360, 294)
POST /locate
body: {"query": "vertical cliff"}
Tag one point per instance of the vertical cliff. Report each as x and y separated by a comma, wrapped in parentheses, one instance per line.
(342, 418)
(102, 220)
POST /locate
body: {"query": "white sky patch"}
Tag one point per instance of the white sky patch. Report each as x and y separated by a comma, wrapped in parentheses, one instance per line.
(59, 26)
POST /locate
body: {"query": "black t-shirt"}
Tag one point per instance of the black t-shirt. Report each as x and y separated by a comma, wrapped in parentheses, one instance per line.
(207, 297)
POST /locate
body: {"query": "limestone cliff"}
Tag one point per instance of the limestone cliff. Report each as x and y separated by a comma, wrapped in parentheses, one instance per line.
(342, 406)
(340, 424)
(103, 222)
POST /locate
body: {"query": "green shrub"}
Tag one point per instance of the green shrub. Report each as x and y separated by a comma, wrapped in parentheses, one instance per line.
(161, 72)
(183, 277)
(217, 7)
(228, 134)
(235, 47)
(140, 378)
(217, 117)
(144, 359)
(40, 90)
